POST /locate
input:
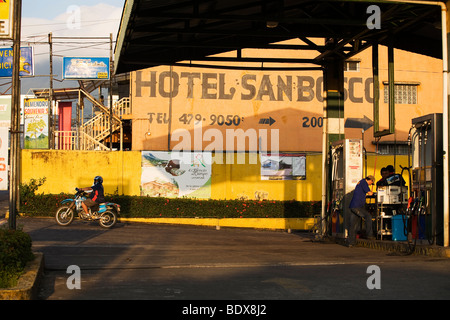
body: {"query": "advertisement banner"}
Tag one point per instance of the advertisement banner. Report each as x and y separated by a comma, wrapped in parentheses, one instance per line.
(36, 124)
(26, 62)
(4, 136)
(6, 19)
(174, 175)
(283, 166)
(76, 68)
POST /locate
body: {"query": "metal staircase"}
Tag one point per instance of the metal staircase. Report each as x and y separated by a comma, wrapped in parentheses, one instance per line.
(92, 134)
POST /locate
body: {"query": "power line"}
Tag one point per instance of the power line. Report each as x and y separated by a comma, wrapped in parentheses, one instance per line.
(85, 25)
(62, 23)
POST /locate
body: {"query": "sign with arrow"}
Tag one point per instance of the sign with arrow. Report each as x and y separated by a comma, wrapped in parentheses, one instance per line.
(270, 121)
(358, 123)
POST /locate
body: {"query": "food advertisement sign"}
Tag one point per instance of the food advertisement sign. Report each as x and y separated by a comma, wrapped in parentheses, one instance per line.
(176, 175)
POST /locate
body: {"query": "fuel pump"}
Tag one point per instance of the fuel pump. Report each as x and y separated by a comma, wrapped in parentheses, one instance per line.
(346, 170)
(427, 179)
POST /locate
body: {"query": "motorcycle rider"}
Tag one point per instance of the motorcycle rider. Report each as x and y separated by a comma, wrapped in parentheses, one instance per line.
(96, 197)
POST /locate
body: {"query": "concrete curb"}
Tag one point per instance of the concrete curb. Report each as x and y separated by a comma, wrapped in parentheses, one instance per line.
(304, 224)
(403, 248)
(28, 284)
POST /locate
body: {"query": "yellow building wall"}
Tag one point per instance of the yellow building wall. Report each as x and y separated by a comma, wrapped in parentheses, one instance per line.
(66, 170)
(243, 181)
(121, 171)
(169, 100)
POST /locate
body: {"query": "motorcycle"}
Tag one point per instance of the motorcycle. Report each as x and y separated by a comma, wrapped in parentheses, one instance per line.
(105, 213)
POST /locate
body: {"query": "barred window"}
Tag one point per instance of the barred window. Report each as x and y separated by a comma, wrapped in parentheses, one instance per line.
(404, 93)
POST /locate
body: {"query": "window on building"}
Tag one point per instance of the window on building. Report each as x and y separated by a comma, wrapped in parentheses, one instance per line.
(351, 66)
(404, 93)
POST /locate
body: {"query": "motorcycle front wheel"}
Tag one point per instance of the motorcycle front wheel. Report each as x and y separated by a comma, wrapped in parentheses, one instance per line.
(108, 219)
(64, 215)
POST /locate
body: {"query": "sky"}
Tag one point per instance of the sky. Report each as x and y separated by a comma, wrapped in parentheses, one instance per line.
(49, 9)
(65, 18)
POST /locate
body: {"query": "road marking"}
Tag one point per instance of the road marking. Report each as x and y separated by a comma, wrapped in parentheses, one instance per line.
(213, 265)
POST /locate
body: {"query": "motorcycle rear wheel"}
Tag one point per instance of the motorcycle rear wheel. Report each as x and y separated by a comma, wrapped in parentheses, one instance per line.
(64, 215)
(108, 219)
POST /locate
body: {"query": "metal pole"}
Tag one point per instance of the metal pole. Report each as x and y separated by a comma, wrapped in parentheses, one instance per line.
(445, 126)
(324, 165)
(376, 88)
(15, 118)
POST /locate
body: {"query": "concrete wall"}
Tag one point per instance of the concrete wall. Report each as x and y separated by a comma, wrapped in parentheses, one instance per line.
(121, 171)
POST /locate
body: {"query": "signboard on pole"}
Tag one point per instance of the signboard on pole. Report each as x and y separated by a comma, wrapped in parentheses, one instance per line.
(86, 68)
(26, 62)
(6, 19)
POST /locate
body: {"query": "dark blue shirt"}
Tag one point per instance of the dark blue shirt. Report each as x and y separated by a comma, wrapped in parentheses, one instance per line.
(359, 196)
(97, 194)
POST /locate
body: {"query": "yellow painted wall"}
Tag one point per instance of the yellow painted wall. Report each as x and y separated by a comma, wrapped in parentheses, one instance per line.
(121, 171)
(66, 170)
(243, 181)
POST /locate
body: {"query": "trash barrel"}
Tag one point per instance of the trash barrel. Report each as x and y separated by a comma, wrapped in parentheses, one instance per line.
(399, 225)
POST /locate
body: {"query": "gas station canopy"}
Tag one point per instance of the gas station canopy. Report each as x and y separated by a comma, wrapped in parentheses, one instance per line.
(155, 32)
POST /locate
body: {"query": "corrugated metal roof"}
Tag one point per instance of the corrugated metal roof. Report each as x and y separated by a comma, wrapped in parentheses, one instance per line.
(164, 32)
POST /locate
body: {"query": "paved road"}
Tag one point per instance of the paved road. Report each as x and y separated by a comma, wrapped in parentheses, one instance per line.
(157, 262)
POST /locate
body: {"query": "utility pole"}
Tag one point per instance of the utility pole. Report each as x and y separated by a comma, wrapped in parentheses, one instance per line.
(14, 197)
(50, 95)
(110, 91)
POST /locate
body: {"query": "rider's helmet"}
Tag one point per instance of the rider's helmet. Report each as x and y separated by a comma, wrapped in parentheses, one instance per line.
(98, 179)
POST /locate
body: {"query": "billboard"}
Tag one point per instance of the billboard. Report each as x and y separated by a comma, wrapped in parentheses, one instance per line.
(26, 62)
(283, 166)
(76, 68)
(36, 124)
(6, 19)
(176, 175)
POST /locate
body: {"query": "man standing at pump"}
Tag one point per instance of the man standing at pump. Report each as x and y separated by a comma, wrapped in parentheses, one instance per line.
(358, 209)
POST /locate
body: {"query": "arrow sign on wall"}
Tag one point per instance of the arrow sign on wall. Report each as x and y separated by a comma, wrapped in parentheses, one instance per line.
(364, 123)
(270, 121)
